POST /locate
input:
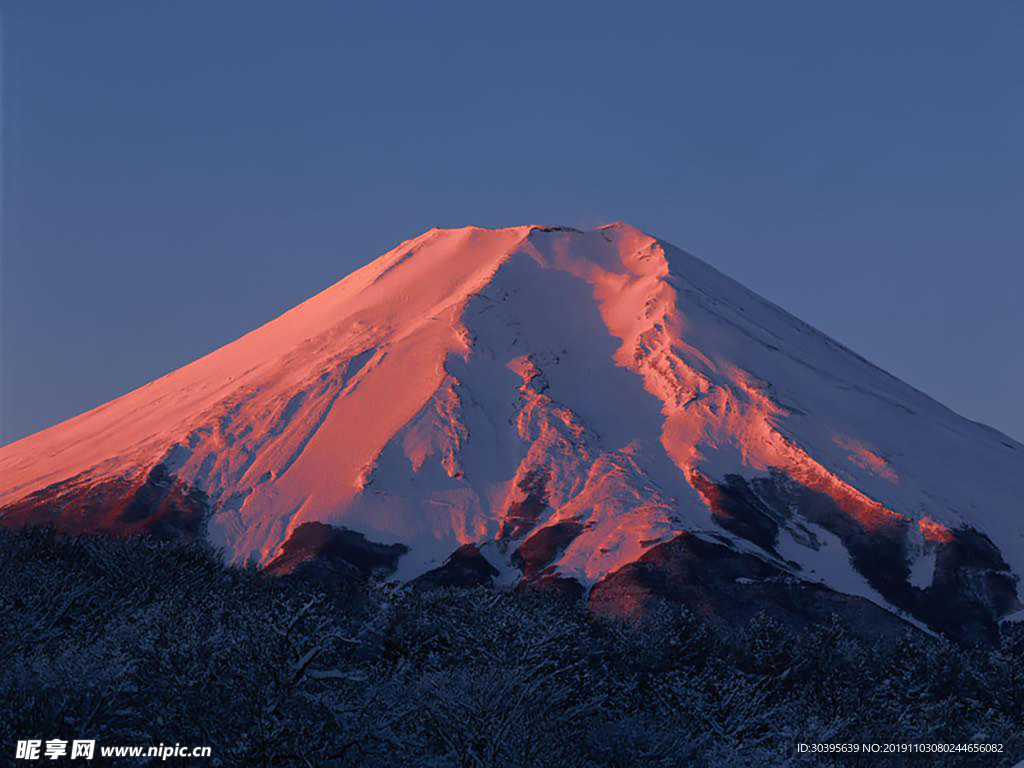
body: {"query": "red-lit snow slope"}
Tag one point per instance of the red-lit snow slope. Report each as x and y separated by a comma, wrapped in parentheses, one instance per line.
(577, 405)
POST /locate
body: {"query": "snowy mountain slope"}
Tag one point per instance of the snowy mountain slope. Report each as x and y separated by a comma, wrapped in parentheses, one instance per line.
(568, 401)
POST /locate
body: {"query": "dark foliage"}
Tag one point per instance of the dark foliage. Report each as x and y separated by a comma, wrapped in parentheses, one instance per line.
(142, 642)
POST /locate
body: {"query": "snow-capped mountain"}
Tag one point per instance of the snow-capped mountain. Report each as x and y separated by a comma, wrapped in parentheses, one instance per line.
(569, 408)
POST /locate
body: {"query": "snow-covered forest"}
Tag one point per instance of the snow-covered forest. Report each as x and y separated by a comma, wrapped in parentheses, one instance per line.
(138, 642)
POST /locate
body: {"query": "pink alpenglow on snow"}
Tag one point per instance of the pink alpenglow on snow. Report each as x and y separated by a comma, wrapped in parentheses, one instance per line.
(582, 397)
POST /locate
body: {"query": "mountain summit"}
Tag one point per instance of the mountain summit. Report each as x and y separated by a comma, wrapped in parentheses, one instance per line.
(594, 411)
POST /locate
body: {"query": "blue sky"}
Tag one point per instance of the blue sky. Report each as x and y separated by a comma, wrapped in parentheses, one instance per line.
(175, 174)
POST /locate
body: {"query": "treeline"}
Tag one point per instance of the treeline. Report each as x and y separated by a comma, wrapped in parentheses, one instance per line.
(139, 642)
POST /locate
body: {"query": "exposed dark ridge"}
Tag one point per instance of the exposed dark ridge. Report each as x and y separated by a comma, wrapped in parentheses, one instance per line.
(726, 588)
(688, 569)
(737, 508)
(543, 546)
(465, 567)
(319, 542)
(971, 590)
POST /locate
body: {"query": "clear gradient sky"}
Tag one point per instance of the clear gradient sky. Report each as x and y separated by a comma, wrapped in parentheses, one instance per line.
(175, 174)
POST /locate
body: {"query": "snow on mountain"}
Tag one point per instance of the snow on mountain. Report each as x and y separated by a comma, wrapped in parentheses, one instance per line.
(570, 403)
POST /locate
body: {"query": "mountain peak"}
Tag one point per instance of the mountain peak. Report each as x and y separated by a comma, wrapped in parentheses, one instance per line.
(567, 402)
